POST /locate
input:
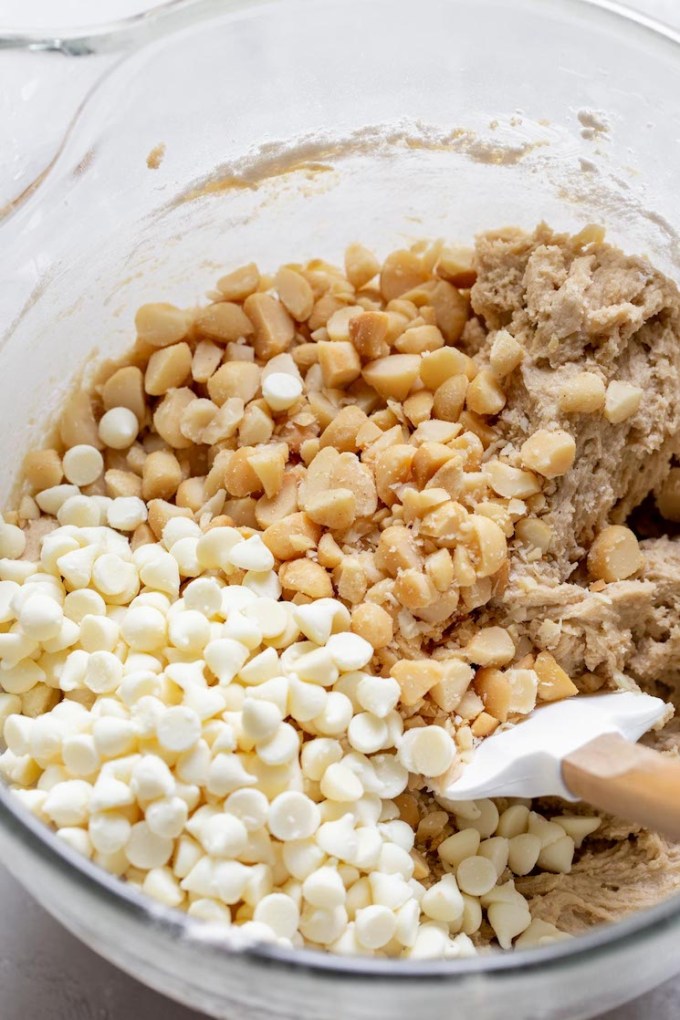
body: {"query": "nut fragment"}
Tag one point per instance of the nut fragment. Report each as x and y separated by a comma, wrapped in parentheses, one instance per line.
(372, 623)
(160, 512)
(449, 398)
(234, 379)
(583, 393)
(224, 321)
(553, 683)
(122, 483)
(615, 554)
(350, 580)
(506, 354)
(392, 468)
(335, 509)
(269, 464)
(416, 677)
(257, 426)
(511, 482)
(428, 459)
(361, 265)
(491, 646)
(622, 400)
(125, 388)
(485, 395)
(168, 416)
(418, 407)
(42, 469)
(419, 339)
(329, 553)
(349, 473)
(295, 293)
(397, 551)
(438, 366)
(414, 589)
(338, 325)
(550, 453)
(291, 536)
(439, 568)
(306, 577)
(368, 333)
(450, 476)
(205, 361)
(341, 432)
(451, 308)
(484, 725)
(167, 369)
(523, 690)
(489, 545)
(534, 533)
(240, 477)
(237, 285)
(274, 328)
(283, 504)
(393, 376)
(340, 363)
(224, 423)
(401, 271)
(161, 324)
(494, 690)
(191, 493)
(77, 423)
(450, 689)
(161, 475)
(456, 264)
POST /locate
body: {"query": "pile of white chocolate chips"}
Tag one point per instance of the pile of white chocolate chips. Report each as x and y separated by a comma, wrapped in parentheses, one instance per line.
(224, 599)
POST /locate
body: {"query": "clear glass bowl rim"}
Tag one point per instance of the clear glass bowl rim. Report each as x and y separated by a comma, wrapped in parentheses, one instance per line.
(23, 828)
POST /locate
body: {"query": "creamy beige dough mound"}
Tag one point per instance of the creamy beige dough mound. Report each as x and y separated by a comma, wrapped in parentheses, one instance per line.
(283, 568)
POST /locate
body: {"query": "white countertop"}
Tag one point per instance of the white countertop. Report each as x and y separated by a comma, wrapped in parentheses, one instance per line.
(45, 973)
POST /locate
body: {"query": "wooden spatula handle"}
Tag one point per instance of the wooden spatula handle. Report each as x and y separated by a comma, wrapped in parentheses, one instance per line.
(627, 780)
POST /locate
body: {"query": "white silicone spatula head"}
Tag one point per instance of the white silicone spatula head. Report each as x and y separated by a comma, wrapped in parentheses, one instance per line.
(526, 759)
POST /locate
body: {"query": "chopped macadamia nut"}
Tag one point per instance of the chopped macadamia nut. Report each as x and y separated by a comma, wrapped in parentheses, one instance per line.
(368, 332)
(553, 683)
(583, 393)
(274, 328)
(621, 402)
(550, 454)
(161, 324)
(485, 395)
(240, 283)
(339, 363)
(534, 533)
(223, 322)
(491, 646)
(361, 265)
(295, 293)
(373, 623)
(125, 388)
(43, 469)
(415, 678)
(506, 354)
(449, 398)
(392, 377)
(615, 554)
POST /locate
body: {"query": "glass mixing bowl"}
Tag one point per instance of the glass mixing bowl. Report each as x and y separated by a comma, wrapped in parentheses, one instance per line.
(291, 129)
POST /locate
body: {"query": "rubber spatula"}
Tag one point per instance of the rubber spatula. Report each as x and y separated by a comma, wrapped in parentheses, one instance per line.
(582, 749)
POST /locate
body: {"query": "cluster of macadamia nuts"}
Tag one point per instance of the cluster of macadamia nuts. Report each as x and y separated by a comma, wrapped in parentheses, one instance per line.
(220, 590)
